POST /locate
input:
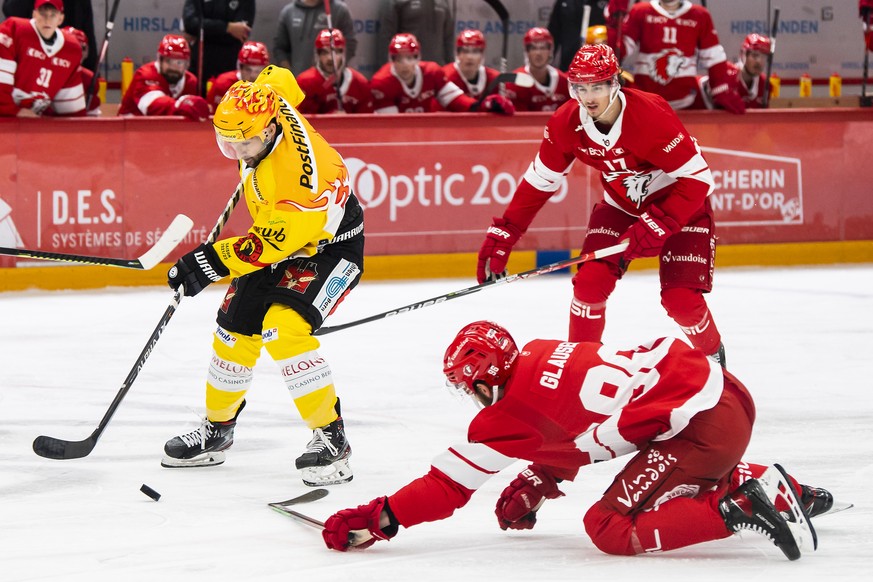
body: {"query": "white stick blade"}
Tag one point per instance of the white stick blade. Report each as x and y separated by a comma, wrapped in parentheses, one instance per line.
(524, 80)
(171, 237)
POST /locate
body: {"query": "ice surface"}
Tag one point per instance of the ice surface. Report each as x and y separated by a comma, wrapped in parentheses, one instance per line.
(800, 338)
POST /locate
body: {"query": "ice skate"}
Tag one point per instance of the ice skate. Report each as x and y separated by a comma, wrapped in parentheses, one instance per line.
(326, 459)
(202, 447)
(818, 501)
(719, 356)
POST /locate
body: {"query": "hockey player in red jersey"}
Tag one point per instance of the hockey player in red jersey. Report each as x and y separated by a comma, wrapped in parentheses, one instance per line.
(406, 84)
(253, 57)
(656, 196)
(319, 82)
(87, 74)
(39, 64)
(549, 90)
(684, 421)
(165, 86)
(865, 13)
(746, 77)
(468, 71)
(667, 40)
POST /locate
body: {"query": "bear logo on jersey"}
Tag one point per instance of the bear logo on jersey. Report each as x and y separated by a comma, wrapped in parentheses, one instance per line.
(667, 65)
(636, 184)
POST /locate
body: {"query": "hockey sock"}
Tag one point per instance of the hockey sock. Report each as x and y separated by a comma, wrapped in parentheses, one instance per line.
(687, 307)
(592, 286)
(230, 373)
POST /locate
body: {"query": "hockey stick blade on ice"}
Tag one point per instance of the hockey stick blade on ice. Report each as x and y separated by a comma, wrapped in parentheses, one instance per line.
(170, 238)
(307, 497)
(356, 537)
(520, 79)
(598, 254)
(54, 448)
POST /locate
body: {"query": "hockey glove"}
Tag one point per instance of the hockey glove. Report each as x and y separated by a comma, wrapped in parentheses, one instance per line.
(724, 98)
(646, 236)
(494, 254)
(519, 502)
(197, 270)
(193, 107)
(359, 527)
(498, 104)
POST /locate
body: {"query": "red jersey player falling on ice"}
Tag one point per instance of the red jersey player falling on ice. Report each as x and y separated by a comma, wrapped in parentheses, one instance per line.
(656, 187)
(253, 57)
(407, 84)
(561, 405)
(319, 82)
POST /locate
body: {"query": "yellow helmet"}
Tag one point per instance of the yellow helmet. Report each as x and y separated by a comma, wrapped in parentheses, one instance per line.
(595, 34)
(245, 111)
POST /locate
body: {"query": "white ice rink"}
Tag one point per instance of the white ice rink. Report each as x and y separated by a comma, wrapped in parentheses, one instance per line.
(801, 339)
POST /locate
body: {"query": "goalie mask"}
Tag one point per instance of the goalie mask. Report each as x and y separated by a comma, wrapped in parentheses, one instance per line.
(243, 120)
(481, 352)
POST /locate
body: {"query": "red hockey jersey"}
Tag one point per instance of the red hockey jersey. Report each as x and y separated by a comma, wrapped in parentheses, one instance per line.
(568, 405)
(540, 97)
(646, 157)
(474, 90)
(321, 92)
(430, 92)
(149, 92)
(32, 71)
(666, 50)
(219, 87)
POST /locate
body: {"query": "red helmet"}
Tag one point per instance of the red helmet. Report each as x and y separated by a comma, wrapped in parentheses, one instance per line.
(174, 46)
(471, 38)
(482, 351)
(322, 41)
(757, 42)
(538, 34)
(254, 54)
(80, 36)
(593, 63)
(404, 43)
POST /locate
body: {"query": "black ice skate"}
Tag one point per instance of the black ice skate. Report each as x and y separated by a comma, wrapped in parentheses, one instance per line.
(751, 507)
(203, 446)
(326, 459)
(816, 500)
(719, 356)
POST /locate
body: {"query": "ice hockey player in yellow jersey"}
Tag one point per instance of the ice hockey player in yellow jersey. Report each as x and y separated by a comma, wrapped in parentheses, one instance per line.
(301, 256)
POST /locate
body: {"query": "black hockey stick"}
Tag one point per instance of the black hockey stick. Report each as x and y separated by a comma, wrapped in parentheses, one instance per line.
(865, 100)
(520, 79)
(110, 24)
(599, 254)
(773, 30)
(503, 15)
(54, 448)
(166, 243)
(355, 537)
(331, 47)
(313, 495)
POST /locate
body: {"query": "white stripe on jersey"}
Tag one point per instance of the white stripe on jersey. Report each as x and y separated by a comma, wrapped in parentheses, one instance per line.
(471, 464)
(7, 71)
(543, 178)
(146, 100)
(711, 56)
(448, 93)
(697, 169)
(708, 397)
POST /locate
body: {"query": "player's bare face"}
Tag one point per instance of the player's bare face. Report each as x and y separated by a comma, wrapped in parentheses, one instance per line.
(755, 62)
(404, 67)
(47, 19)
(325, 60)
(250, 72)
(469, 61)
(173, 69)
(594, 97)
(539, 55)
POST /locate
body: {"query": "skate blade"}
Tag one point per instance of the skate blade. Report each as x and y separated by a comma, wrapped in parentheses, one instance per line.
(202, 460)
(333, 474)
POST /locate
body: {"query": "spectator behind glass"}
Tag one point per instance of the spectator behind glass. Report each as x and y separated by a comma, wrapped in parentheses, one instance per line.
(319, 82)
(253, 58)
(39, 65)
(300, 22)
(549, 90)
(565, 24)
(468, 71)
(407, 84)
(431, 21)
(77, 13)
(165, 86)
(226, 26)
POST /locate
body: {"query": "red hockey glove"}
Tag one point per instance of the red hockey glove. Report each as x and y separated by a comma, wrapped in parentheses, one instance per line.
(494, 254)
(343, 529)
(193, 107)
(197, 270)
(519, 502)
(498, 104)
(646, 236)
(730, 101)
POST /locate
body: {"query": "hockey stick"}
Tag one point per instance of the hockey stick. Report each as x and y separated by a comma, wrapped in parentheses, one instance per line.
(585, 257)
(865, 100)
(773, 30)
(586, 19)
(54, 448)
(503, 15)
(313, 495)
(356, 537)
(336, 73)
(110, 24)
(201, 84)
(520, 79)
(166, 243)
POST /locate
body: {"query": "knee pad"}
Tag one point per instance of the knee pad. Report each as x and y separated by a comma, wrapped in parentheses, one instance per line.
(611, 532)
(595, 281)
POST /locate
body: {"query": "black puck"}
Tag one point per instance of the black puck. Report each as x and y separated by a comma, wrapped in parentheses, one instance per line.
(150, 492)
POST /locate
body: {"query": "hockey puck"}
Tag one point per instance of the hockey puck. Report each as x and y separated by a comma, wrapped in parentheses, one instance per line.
(150, 492)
